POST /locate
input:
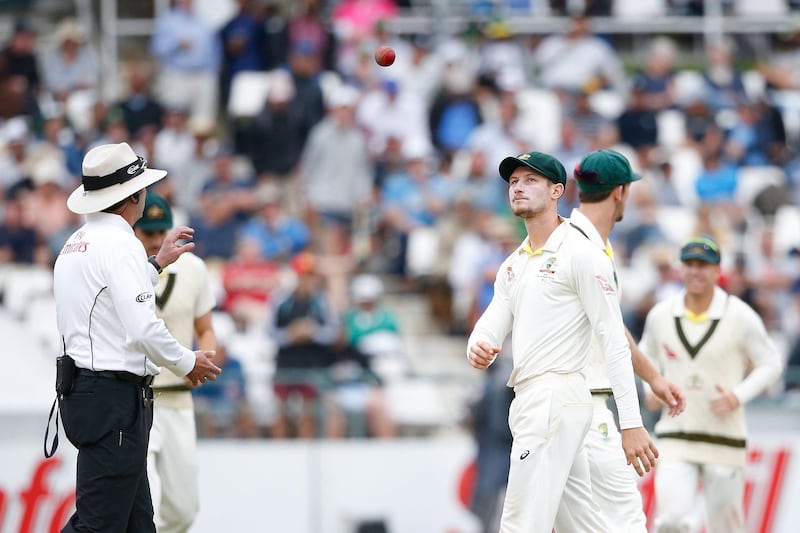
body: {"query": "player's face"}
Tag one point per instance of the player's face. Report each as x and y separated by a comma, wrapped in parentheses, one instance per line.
(699, 277)
(152, 240)
(530, 193)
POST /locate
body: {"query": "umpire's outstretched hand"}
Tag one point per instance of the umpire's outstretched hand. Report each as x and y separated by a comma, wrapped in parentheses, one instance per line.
(203, 369)
(170, 250)
(639, 448)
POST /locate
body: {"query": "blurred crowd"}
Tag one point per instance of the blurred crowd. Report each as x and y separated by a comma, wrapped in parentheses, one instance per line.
(316, 180)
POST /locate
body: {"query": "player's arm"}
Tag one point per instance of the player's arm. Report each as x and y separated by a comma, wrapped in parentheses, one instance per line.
(594, 285)
(666, 391)
(767, 366)
(492, 327)
(204, 332)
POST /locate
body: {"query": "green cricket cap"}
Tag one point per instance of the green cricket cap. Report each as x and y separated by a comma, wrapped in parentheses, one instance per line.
(157, 214)
(702, 248)
(602, 170)
(545, 164)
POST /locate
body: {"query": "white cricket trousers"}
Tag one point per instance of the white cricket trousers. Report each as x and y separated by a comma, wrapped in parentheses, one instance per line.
(614, 484)
(172, 469)
(549, 473)
(676, 484)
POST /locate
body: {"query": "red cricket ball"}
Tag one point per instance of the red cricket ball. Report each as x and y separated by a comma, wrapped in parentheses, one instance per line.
(384, 56)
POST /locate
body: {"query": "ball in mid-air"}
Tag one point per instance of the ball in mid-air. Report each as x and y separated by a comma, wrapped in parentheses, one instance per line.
(384, 56)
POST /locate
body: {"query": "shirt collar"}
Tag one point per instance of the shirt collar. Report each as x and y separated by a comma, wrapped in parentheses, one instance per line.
(553, 242)
(109, 219)
(714, 311)
(582, 222)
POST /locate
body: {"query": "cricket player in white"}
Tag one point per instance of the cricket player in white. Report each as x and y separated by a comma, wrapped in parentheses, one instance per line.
(184, 300)
(552, 293)
(707, 341)
(604, 178)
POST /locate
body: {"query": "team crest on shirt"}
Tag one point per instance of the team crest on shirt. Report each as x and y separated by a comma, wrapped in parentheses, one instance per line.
(695, 382)
(510, 274)
(548, 269)
(607, 287)
(603, 429)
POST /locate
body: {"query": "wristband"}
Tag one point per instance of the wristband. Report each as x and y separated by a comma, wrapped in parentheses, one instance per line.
(152, 261)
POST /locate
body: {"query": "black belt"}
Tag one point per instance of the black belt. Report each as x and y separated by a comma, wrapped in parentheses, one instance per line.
(172, 388)
(122, 375)
(602, 392)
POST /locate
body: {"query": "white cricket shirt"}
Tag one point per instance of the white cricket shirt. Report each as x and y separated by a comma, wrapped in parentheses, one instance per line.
(555, 300)
(596, 373)
(105, 302)
(697, 355)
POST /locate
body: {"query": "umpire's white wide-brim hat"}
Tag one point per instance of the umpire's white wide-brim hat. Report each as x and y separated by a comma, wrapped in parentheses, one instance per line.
(111, 173)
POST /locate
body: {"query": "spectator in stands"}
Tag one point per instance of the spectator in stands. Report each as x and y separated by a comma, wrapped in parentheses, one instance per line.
(717, 181)
(336, 174)
(14, 156)
(308, 25)
(353, 21)
(306, 330)
(226, 203)
(410, 199)
(454, 113)
(242, 46)
(638, 127)
(57, 135)
(139, 107)
(19, 73)
(72, 64)
(250, 282)
(275, 138)
(18, 240)
(657, 80)
(498, 136)
(46, 204)
(724, 86)
(480, 187)
(174, 148)
(189, 54)
(577, 60)
(304, 67)
(280, 235)
(588, 122)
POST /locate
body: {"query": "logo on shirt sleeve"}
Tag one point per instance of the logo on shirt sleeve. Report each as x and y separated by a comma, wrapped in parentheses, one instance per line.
(607, 287)
(144, 297)
(509, 274)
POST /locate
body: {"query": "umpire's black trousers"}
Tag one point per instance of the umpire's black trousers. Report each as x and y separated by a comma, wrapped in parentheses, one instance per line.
(108, 420)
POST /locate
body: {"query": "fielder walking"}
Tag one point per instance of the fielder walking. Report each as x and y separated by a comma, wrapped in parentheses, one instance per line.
(184, 300)
(552, 294)
(604, 178)
(105, 311)
(716, 347)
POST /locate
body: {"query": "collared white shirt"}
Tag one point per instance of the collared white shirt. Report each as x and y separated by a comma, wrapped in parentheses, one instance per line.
(556, 300)
(105, 302)
(596, 372)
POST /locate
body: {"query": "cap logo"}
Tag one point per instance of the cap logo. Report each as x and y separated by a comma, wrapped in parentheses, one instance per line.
(524, 157)
(155, 212)
(133, 168)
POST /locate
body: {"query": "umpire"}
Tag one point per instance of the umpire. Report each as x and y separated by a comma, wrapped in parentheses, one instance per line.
(113, 341)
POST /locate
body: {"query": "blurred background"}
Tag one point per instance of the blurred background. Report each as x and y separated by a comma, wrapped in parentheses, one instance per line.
(306, 169)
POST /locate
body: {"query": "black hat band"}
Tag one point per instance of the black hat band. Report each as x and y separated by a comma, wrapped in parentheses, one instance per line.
(126, 173)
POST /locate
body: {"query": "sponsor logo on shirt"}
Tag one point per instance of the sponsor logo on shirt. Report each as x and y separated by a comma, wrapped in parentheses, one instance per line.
(510, 274)
(669, 352)
(607, 287)
(144, 297)
(525, 454)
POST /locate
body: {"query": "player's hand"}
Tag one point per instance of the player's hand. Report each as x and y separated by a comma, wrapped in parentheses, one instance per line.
(669, 394)
(639, 449)
(482, 354)
(725, 402)
(170, 250)
(204, 369)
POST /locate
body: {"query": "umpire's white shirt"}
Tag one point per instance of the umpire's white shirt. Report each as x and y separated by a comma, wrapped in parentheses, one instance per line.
(556, 300)
(105, 302)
